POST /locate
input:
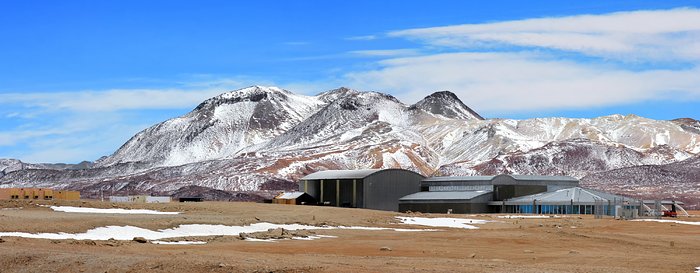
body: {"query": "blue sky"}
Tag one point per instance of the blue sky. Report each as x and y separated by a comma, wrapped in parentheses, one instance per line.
(79, 78)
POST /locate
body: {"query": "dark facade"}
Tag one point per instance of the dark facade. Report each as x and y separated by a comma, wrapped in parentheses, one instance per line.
(509, 186)
(457, 183)
(372, 189)
(443, 202)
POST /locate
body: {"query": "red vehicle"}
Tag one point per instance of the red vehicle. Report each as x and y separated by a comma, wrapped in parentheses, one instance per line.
(672, 212)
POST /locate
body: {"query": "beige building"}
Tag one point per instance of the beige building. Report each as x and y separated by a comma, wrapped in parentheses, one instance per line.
(38, 194)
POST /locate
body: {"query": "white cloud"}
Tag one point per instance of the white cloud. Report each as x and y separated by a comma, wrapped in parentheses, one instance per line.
(636, 35)
(524, 81)
(110, 100)
(362, 38)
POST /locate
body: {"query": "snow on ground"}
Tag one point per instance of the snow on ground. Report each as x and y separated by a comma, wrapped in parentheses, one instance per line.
(442, 222)
(668, 221)
(697, 269)
(179, 243)
(112, 211)
(193, 230)
(528, 216)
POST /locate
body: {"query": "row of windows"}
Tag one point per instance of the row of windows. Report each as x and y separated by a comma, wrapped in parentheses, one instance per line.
(48, 197)
(562, 209)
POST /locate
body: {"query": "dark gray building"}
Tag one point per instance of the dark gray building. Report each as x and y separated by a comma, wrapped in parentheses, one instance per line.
(479, 194)
(372, 189)
(444, 201)
(507, 186)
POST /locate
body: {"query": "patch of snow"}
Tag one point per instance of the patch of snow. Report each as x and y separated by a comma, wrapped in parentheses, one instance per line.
(179, 243)
(697, 269)
(192, 230)
(313, 237)
(668, 221)
(442, 222)
(380, 228)
(111, 211)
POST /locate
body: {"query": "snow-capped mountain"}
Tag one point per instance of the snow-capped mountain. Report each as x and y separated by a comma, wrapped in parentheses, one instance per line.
(447, 104)
(263, 138)
(219, 127)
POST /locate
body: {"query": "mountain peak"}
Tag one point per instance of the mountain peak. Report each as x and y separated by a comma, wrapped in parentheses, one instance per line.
(332, 95)
(447, 104)
(252, 93)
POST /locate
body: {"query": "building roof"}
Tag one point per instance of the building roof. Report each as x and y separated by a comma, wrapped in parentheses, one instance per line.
(443, 195)
(341, 174)
(566, 196)
(290, 195)
(459, 178)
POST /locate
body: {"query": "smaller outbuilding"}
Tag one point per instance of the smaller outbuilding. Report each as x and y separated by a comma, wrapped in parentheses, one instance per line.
(293, 198)
(140, 199)
(447, 201)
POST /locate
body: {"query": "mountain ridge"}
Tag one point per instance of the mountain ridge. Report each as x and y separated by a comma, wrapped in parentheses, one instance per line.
(258, 138)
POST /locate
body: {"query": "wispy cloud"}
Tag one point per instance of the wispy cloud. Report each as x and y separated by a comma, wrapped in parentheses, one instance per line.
(636, 35)
(362, 38)
(386, 52)
(524, 81)
(109, 100)
(83, 125)
(549, 63)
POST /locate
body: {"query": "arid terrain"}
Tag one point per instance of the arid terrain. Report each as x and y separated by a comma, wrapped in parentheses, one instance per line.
(566, 244)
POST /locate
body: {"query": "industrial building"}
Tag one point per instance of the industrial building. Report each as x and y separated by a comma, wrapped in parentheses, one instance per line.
(38, 194)
(372, 189)
(403, 190)
(476, 194)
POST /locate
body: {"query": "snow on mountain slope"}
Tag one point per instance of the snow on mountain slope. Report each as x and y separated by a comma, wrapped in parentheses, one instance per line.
(478, 141)
(9, 165)
(344, 118)
(218, 128)
(673, 181)
(574, 157)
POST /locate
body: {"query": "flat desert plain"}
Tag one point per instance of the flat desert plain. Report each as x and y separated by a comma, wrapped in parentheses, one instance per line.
(570, 243)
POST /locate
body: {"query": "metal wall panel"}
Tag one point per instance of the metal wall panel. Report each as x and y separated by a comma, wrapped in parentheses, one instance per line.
(382, 190)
